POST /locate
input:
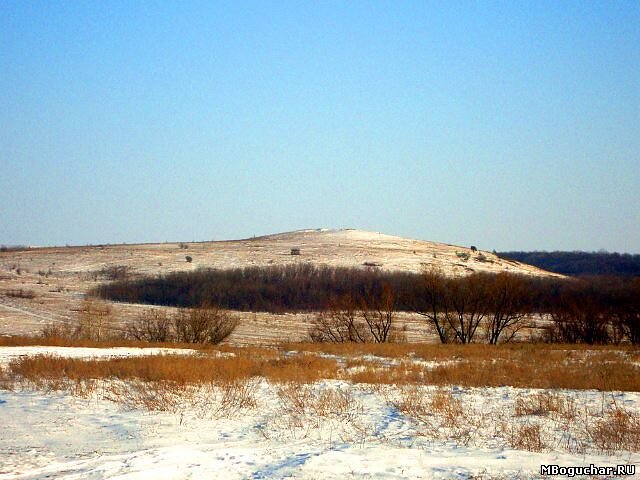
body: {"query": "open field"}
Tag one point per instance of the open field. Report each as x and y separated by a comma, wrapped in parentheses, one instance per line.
(304, 411)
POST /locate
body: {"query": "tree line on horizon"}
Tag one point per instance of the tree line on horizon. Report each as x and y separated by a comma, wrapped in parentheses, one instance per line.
(580, 263)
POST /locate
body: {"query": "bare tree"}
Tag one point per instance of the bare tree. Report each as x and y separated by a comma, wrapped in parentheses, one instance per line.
(579, 317)
(339, 324)
(431, 302)
(627, 314)
(378, 311)
(468, 305)
(509, 305)
(95, 322)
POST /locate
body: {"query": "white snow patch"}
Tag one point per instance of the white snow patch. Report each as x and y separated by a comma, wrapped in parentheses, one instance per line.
(10, 353)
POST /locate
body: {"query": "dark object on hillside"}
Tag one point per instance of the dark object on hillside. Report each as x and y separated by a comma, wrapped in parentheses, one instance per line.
(295, 251)
(113, 272)
(13, 248)
(20, 293)
(474, 248)
(580, 263)
(188, 259)
(372, 264)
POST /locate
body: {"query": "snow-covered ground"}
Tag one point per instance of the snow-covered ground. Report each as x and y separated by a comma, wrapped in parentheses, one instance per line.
(361, 434)
(9, 353)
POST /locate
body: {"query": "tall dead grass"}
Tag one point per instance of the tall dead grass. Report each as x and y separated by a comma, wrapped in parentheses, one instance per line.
(526, 367)
(177, 369)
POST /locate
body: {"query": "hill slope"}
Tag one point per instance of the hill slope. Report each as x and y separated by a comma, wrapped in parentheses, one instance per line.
(349, 248)
(39, 286)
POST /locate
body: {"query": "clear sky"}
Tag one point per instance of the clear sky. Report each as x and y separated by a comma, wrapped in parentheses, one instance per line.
(506, 125)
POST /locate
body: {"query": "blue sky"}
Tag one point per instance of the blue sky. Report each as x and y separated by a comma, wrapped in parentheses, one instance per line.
(507, 125)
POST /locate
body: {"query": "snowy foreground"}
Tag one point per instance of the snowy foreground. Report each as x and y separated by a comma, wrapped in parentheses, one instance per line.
(57, 435)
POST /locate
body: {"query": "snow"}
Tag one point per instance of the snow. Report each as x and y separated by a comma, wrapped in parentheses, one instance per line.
(10, 353)
(57, 435)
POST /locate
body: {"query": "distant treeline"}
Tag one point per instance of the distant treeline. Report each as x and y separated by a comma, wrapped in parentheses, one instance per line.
(302, 287)
(580, 263)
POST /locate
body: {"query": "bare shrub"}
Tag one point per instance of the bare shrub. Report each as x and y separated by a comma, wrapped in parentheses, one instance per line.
(96, 321)
(468, 301)
(627, 314)
(61, 330)
(369, 319)
(152, 325)
(448, 407)
(203, 325)
(526, 437)
(115, 272)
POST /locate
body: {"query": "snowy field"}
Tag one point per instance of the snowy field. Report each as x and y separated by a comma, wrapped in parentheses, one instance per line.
(328, 429)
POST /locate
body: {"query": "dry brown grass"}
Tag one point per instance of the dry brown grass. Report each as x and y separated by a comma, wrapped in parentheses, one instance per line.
(526, 366)
(324, 403)
(540, 371)
(538, 404)
(392, 350)
(534, 421)
(472, 352)
(527, 437)
(439, 414)
(178, 369)
(222, 382)
(617, 429)
(211, 400)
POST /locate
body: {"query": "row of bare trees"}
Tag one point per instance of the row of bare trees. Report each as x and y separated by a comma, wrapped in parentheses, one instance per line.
(489, 308)
(595, 310)
(458, 307)
(371, 318)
